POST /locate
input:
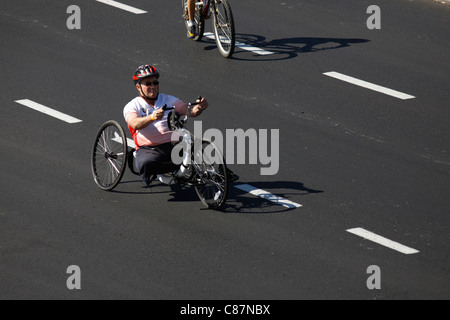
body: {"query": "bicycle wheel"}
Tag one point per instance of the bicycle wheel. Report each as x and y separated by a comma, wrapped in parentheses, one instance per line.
(199, 19)
(211, 170)
(223, 26)
(109, 155)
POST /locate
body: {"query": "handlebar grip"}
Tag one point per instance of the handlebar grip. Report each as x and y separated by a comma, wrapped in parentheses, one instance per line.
(165, 108)
(196, 103)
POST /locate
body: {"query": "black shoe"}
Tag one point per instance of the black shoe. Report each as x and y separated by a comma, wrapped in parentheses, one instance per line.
(149, 181)
(191, 181)
(232, 176)
(195, 182)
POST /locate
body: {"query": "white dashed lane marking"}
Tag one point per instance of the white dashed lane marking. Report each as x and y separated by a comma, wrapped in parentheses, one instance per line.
(368, 85)
(122, 6)
(382, 240)
(48, 111)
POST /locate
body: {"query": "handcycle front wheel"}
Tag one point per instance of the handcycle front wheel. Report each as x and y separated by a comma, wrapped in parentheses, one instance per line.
(211, 170)
(109, 155)
(223, 26)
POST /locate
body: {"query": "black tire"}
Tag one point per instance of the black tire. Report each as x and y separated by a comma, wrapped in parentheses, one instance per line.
(109, 155)
(213, 191)
(223, 26)
(199, 19)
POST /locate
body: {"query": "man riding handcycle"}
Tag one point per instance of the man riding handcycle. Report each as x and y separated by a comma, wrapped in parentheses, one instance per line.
(152, 125)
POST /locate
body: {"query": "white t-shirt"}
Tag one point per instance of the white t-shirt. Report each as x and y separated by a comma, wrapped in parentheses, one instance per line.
(158, 131)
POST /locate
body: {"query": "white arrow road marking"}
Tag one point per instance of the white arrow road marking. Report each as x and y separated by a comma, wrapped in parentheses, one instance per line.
(241, 45)
(268, 196)
(130, 142)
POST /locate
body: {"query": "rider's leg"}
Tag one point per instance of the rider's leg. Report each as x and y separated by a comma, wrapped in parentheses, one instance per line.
(191, 9)
(151, 161)
(191, 23)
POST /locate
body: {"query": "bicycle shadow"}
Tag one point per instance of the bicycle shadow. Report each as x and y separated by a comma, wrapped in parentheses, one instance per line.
(242, 202)
(238, 201)
(153, 188)
(284, 48)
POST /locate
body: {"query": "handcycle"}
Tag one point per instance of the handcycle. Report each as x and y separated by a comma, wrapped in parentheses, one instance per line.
(202, 163)
(222, 23)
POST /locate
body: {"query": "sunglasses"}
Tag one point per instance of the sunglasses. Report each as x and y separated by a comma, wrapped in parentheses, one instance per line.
(148, 84)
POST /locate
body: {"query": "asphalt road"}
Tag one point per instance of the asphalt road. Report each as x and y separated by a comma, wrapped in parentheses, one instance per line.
(351, 156)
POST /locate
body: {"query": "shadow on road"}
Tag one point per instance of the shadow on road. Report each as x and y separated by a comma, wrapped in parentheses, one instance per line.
(285, 48)
(238, 200)
(242, 202)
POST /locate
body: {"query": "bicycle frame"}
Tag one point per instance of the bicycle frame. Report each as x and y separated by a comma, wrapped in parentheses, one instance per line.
(206, 6)
(185, 170)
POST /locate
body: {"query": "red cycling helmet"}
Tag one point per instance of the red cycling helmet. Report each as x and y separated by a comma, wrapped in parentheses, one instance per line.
(144, 71)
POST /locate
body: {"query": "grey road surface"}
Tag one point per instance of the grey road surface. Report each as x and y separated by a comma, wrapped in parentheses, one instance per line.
(351, 157)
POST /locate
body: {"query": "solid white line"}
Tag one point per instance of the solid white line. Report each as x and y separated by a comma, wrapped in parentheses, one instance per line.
(268, 196)
(382, 240)
(122, 6)
(51, 112)
(241, 45)
(369, 85)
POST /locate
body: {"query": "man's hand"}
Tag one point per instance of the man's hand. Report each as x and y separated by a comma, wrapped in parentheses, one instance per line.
(158, 114)
(200, 107)
(203, 103)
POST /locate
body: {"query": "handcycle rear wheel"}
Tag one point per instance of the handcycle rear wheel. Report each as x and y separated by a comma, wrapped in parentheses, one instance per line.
(211, 170)
(223, 26)
(109, 155)
(199, 19)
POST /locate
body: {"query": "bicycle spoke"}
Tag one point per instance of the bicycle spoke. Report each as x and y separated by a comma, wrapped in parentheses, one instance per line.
(113, 165)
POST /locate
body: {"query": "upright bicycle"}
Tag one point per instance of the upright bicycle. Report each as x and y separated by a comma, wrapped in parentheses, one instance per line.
(202, 163)
(222, 23)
